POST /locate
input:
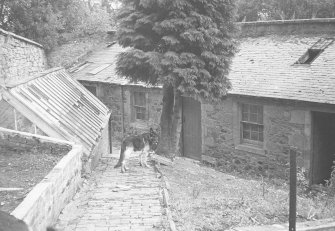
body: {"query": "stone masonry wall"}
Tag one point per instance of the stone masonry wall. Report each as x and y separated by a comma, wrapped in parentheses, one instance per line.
(111, 95)
(19, 57)
(102, 148)
(18, 141)
(154, 107)
(284, 126)
(43, 204)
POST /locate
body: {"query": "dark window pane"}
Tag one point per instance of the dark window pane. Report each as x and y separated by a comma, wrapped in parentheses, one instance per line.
(254, 135)
(246, 127)
(246, 134)
(245, 117)
(253, 118)
(254, 127)
(140, 112)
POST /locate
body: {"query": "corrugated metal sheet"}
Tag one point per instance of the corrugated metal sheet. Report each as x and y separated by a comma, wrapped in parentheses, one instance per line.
(102, 63)
(64, 104)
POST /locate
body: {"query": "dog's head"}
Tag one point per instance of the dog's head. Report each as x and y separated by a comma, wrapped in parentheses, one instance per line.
(153, 139)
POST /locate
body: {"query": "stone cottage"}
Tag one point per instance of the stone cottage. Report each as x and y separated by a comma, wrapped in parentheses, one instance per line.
(283, 95)
(136, 106)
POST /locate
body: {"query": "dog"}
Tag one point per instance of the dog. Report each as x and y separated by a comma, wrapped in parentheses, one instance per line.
(11, 223)
(146, 143)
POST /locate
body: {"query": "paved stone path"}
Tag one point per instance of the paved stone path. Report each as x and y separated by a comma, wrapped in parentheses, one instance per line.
(111, 201)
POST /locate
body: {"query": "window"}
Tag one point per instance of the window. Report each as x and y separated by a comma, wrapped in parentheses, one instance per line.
(91, 89)
(252, 124)
(140, 105)
(313, 52)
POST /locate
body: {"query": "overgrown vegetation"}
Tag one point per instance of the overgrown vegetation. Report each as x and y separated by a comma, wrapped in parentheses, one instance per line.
(254, 10)
(53, 23)
(208, 200)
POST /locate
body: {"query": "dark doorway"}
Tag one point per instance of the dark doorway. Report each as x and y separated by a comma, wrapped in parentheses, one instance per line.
(191, 128)
(323, 146)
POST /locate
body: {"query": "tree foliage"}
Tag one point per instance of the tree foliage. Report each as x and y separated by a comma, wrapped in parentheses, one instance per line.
(186, 45)
(253, 10)
(52, 22)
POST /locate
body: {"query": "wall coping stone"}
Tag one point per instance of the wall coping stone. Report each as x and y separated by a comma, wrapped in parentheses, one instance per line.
(7, 33)
(318, 225)
(288, 27)
(42, 139)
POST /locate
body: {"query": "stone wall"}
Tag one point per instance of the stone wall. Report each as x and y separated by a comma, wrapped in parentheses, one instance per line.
(118, 99)
(102, 148)
(285, 125)
(19, 57)
(20, 141)
(299, 26)
(43, 204)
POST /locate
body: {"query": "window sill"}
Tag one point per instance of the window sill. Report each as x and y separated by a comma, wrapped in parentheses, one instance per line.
(250, 148)
(140, 124)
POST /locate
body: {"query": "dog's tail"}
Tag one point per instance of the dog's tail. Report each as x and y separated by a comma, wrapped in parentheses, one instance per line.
(121, 156)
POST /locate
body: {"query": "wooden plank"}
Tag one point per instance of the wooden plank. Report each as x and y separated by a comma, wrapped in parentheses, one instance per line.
(161, 159)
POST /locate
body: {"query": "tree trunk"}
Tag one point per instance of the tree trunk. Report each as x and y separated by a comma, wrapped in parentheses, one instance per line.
(176, 123)
(166, 120)
(170, 122)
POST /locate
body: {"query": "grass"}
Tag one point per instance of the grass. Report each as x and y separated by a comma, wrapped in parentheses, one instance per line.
(208, 200)
(22, 170)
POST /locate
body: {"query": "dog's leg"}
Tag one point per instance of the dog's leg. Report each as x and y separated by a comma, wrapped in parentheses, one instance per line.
(145, 154)
(141, 159)
(127, 154)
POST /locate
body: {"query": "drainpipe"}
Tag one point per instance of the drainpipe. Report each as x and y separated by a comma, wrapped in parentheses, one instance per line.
(110, 134)
(122, 112)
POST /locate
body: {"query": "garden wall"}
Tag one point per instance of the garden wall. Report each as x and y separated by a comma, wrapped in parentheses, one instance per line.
(43, 204)
(19, 57)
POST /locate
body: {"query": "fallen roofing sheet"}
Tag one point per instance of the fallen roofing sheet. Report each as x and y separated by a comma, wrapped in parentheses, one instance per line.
(264, 67)
(60, 106)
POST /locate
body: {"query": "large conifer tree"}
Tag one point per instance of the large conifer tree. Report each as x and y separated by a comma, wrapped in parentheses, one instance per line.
(185, 45)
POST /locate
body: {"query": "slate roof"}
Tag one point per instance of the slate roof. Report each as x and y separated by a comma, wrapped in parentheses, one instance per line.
(69, 110)
(264, 67)
(100, 67)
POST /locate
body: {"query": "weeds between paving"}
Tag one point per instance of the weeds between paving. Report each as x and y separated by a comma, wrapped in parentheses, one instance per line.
(208, 200)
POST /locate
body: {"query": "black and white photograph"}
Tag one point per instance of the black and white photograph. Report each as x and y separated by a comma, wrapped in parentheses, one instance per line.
(167, 115)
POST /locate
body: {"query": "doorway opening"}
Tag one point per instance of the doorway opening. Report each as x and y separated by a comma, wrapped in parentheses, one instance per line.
(323, 146)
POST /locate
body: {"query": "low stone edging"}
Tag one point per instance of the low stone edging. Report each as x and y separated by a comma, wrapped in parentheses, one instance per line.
(43, 204)
(319, 225)
(166, 201)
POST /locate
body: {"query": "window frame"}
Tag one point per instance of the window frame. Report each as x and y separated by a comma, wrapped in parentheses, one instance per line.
(258, 122)
(136, 107)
